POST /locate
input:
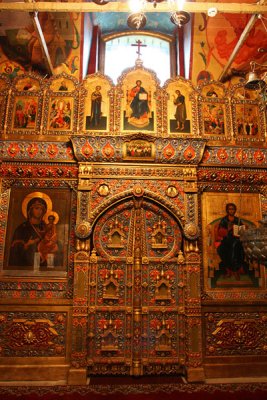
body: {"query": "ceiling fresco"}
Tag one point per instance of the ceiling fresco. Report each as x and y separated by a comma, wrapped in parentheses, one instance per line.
(156, 22)
(213, 40)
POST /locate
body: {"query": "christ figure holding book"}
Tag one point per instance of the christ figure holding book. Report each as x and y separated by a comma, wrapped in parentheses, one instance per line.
(228, 244)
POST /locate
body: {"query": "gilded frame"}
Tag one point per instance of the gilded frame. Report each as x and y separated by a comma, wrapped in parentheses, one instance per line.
(176, 120)
(248, 109)
(138, 149)
(4, 87)
(19, 255)
(26, 105)
(61, 102)
(127, 118)
(24, 113)
(214, 112)
(60, 117)
(213, 209)
(97, 105)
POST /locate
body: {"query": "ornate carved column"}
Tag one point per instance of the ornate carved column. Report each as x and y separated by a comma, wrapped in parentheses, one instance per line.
(195, 371)
(137, 307)
(78, 371)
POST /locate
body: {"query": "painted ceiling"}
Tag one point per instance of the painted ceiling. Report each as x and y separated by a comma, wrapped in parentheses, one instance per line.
(213, 39)
(156, 22)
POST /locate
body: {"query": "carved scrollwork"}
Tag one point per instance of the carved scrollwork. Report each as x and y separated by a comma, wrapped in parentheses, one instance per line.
(8, 183)
(93, 257)
(180, 258)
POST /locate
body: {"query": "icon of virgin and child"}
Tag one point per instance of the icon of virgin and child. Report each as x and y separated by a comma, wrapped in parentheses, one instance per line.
(35, 243)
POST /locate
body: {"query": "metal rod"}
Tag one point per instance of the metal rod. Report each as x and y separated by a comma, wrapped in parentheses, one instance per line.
(243, 37)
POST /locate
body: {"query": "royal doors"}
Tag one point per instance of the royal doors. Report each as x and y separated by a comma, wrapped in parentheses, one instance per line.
(136, 321)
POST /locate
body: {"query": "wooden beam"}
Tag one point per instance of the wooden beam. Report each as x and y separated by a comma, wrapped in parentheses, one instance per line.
(119, 6)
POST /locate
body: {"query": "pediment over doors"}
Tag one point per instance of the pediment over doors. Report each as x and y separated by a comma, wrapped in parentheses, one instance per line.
(139, 148)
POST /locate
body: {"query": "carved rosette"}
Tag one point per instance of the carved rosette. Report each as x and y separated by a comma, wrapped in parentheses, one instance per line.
(83, 230)
(138, 191)
(191, 231)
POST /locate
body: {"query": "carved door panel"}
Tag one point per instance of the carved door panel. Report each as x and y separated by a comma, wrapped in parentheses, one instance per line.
(136, 319)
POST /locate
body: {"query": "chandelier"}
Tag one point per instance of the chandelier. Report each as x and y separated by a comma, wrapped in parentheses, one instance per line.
(255, 81)
(137, 18)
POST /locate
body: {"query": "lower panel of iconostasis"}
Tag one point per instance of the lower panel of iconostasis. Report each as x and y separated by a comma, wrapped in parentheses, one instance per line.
(34, 343)
(235, 342)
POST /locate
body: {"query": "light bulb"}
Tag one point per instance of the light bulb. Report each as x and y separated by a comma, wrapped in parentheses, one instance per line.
(180, 4)
(176, 5)
(135, 5)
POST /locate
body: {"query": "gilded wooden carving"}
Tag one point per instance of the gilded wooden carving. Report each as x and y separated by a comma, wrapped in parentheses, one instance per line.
(235, 333)
(136, 179)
